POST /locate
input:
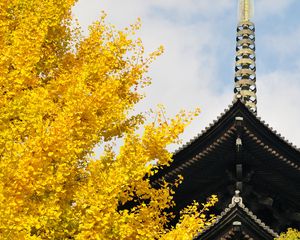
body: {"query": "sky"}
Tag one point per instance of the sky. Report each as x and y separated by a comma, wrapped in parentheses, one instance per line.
(197, 67)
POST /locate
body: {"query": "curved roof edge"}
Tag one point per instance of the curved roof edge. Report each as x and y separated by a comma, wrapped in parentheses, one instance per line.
(226, 110)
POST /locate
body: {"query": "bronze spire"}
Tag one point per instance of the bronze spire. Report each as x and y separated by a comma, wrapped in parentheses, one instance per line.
(245, 67)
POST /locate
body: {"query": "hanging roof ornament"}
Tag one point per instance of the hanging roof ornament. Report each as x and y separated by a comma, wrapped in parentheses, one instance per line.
(245, 67)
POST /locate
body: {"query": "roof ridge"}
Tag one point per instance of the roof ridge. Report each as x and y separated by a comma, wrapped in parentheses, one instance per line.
(263, 122)
(206, 129)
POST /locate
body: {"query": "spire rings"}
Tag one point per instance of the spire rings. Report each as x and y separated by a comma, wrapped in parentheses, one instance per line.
(245, 66)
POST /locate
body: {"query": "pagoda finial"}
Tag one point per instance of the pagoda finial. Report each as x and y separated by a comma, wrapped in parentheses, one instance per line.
(245, 67)
(245, 10)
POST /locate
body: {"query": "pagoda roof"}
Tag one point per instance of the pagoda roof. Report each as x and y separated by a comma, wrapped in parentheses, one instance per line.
(217, 127)
(270, 167)
(237, 222)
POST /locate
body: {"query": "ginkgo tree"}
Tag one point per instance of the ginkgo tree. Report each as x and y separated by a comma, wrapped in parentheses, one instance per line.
(61, 94)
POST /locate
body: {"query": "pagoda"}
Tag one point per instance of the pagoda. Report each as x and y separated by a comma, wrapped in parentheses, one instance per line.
(252, 169)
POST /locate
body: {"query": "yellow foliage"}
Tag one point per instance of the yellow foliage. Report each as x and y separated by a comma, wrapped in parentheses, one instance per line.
(291, 234)
(61, 94)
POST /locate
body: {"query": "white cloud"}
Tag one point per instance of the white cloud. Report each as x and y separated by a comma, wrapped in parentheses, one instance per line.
(190, 72)
(283, 45)
(279, 102)
(266, 8)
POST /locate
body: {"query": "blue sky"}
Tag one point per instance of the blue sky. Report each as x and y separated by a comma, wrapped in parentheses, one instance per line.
(197, 67)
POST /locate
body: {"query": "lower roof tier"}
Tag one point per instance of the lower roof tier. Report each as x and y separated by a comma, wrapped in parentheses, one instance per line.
(237, 222)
